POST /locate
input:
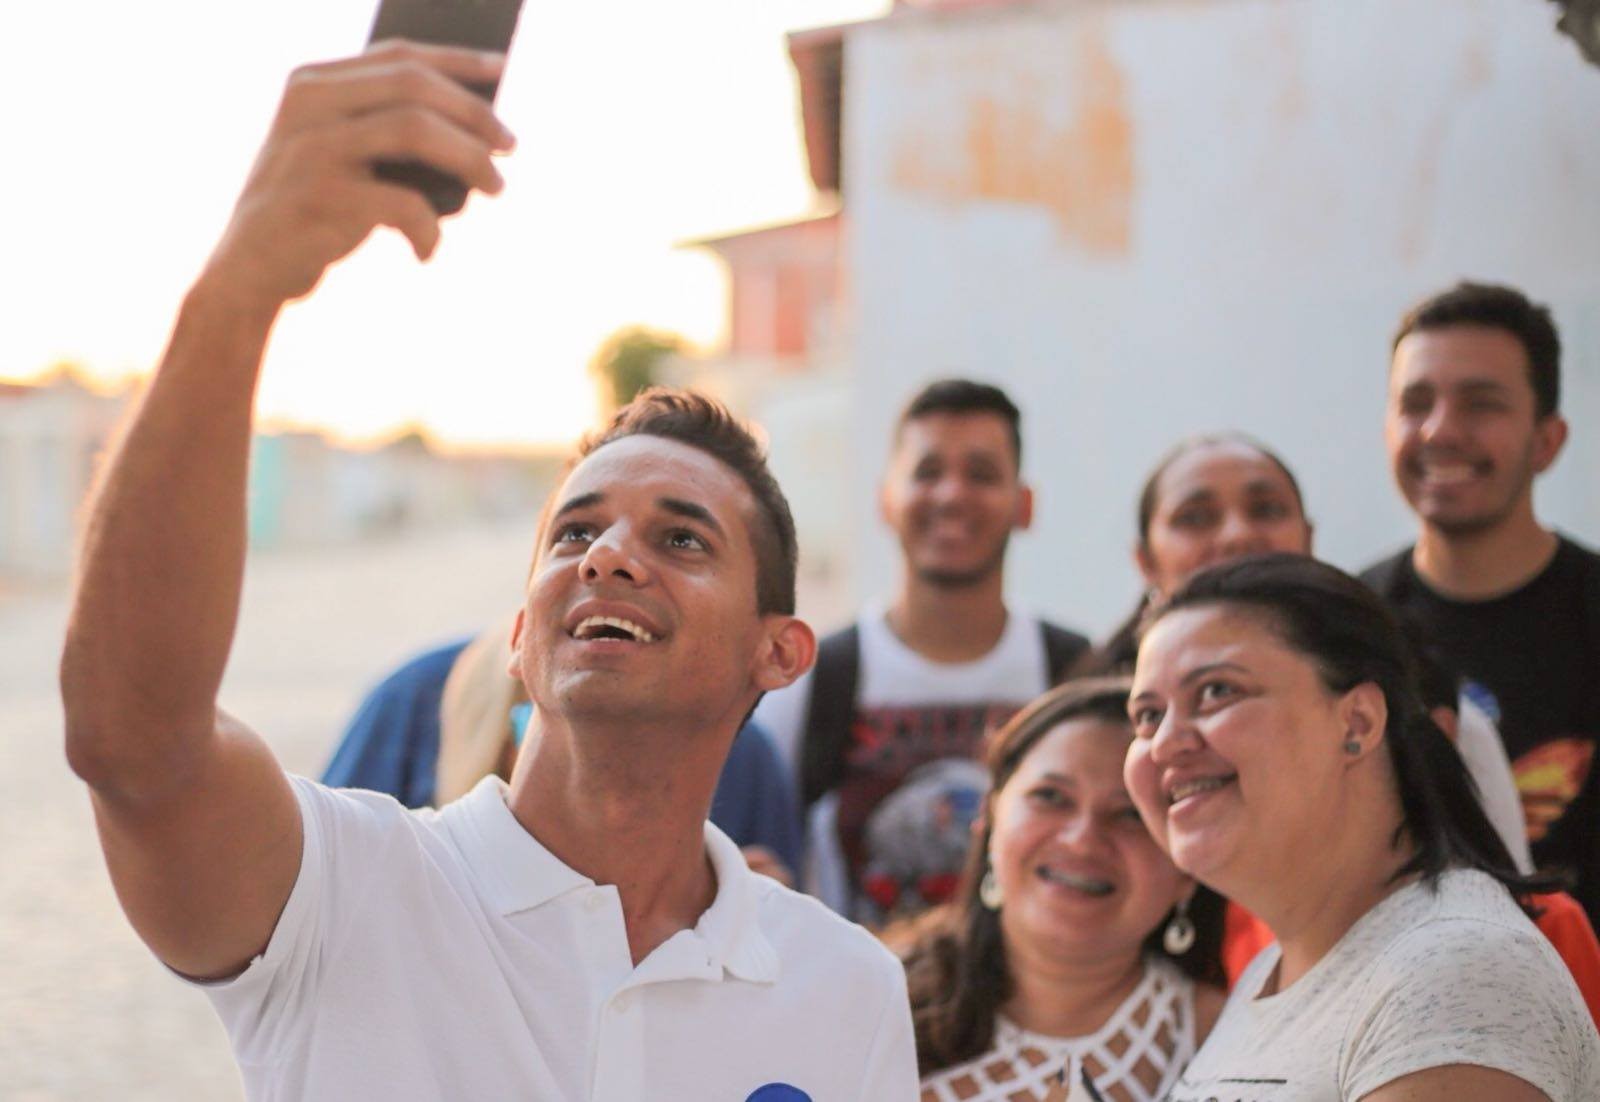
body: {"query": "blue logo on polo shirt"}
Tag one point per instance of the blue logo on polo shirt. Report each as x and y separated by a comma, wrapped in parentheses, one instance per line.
(778, 1092)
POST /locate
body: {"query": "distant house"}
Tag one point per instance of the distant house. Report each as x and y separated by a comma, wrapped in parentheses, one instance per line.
(304, 490)
(51, 436)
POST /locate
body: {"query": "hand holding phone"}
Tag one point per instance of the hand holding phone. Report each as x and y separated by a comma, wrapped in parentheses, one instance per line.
(477, 24)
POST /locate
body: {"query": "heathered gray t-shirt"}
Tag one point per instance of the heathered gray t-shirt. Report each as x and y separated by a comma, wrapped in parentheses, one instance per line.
(1424, 980)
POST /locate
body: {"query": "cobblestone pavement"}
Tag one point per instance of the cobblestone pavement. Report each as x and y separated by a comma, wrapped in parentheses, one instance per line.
(85, 1011)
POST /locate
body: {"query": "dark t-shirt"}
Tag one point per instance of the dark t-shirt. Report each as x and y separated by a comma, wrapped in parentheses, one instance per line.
(1531, 659)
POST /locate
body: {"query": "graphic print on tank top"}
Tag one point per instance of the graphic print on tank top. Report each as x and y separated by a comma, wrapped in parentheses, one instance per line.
(912, 787)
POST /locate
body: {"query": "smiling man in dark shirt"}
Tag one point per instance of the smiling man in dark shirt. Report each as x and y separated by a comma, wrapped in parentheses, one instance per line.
(1473, 418)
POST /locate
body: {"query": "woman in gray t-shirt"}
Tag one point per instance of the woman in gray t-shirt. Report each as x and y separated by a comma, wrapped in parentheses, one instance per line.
(1283, 757)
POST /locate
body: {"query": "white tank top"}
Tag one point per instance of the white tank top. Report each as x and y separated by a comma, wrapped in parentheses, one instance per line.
(1136, 1056)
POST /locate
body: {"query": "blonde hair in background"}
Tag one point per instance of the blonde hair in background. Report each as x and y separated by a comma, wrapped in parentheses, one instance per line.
(475, 715)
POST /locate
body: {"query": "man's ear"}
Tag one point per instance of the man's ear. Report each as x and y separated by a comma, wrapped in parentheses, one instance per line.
(788, 648)
(1024, 517)
(514, 658)
(1365, 715)
(1549, 437)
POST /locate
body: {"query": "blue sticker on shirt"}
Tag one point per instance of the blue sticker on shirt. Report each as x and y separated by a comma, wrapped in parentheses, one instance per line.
(778, 1092)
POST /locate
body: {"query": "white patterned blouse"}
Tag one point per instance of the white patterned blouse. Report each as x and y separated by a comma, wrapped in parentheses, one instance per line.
(1136, 1056)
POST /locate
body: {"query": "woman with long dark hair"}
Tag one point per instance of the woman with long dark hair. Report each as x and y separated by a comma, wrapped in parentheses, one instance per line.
(1283, 757)
(1074, 955)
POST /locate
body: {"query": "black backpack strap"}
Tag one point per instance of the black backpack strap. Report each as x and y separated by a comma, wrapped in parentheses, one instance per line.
(1062, 650)
(829, 714)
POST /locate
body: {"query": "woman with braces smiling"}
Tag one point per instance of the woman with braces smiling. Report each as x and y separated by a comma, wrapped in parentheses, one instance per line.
(1284, 758)
(1075, 962)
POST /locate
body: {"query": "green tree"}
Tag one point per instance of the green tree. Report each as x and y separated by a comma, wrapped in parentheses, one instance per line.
(628, 360)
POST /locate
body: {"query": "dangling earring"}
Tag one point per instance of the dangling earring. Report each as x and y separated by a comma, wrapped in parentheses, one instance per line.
(1178, 938)
(989, 891)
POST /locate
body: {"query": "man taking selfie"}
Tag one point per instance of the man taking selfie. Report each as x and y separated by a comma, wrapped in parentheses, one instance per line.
(577, 933)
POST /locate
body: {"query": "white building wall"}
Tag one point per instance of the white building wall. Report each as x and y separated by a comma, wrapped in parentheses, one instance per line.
(1151, 218)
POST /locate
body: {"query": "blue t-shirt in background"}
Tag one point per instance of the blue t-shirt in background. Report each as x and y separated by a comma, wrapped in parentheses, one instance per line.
(392, 745)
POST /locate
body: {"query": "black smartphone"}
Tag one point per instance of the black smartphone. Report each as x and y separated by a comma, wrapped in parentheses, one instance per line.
(477, 24)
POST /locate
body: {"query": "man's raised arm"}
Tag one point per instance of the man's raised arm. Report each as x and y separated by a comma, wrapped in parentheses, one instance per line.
(198, 823)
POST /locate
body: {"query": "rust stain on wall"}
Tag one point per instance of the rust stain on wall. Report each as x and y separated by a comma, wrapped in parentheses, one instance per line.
(1475, 72)
(1288, 56)
(1007, 149)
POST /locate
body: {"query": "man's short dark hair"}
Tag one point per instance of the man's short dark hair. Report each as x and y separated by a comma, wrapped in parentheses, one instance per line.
(964, 396)
(1500, 308)
(707, 424)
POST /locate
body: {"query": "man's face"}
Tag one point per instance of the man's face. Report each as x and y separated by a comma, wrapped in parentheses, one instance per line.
(1464, 438)
(953, 495)
(642, 601)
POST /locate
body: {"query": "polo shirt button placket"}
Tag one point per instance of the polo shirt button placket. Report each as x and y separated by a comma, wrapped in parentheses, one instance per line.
(621, 1050)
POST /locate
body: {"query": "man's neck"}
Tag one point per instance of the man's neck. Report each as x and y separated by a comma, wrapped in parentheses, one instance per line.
(614, 816)
(950, 623)
(1481, 565)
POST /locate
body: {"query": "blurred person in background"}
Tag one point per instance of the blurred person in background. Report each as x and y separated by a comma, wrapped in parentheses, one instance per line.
(445, 719)
(886, 734)
(1075, 956)
(1473, 418)
(1283, 757)
(581, 932)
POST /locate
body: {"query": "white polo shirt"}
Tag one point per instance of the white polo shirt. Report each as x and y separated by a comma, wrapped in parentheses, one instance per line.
(448, 955)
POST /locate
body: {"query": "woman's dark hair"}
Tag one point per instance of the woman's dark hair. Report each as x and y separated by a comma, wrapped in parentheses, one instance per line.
(1122, 647)
(955, 957)
(1352, 638)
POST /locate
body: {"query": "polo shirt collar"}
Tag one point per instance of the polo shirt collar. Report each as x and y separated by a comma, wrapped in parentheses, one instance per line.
(731, 926)
(518, 874)
(516, 871)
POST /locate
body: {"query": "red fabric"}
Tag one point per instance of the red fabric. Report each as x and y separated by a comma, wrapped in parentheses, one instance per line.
(1562, 921)
(1568, 929)
(1243, 936)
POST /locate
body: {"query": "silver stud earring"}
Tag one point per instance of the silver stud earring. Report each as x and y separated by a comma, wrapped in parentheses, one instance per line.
(1178, 938)
(1352, 746)
(989, 891)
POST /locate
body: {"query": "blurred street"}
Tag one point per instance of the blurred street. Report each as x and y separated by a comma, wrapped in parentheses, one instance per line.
(85, 1011)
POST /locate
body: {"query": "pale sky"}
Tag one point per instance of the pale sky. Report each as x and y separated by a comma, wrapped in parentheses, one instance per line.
(641, 123)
